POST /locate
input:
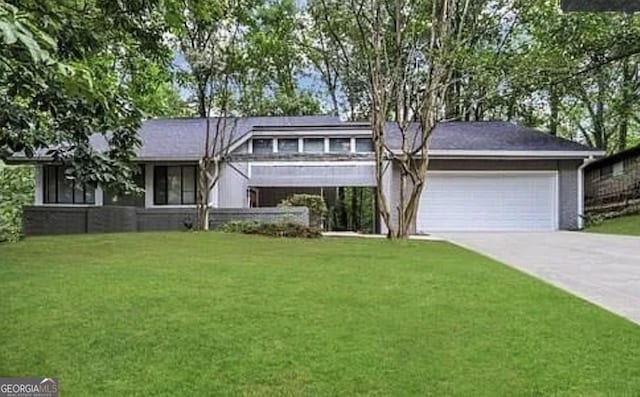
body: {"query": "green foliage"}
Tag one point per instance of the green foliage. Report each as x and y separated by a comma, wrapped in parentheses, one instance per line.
(261, 59)
(315, 203)
(353, 210)
(593, 220)
(17, 185)
(279, 229)
(70, 70)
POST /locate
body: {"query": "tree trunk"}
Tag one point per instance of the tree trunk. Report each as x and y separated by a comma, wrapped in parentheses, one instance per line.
(554, 104)
(202, 206)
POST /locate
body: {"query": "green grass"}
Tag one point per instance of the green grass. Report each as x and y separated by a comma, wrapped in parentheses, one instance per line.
(212, 314)
(628, 225)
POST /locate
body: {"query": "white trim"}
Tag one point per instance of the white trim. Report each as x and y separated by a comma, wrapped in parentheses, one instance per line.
(581, 191)
(518, 153)
(556, 203)
(352, 144)
(68, 205)
(318, 133)
(98, 196)
(174, 206)
(309, 163)
(38, 199)
(515, 172)
(148, 185)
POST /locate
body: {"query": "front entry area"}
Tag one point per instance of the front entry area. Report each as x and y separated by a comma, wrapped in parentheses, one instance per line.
(350, 208)
(489, 201)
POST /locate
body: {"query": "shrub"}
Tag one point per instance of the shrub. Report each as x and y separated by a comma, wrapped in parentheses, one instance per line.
(281, 229)
(315, 203)
(17, 185)
(593, 219)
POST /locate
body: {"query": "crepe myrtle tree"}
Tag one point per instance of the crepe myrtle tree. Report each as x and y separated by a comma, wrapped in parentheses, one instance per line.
(212, 42)
(409, 50)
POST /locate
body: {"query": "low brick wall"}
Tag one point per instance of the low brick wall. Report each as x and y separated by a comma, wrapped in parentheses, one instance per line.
(47, 220)
(220, 216)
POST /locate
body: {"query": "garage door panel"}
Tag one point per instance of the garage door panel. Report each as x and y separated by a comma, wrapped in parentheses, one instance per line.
(488, 201)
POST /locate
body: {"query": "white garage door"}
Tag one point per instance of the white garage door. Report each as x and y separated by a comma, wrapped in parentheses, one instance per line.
(488, 202)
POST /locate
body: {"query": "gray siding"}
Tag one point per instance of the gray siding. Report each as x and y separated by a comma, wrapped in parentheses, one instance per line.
(232, 186)
(312, 175)
(568, 206)
(493, 165)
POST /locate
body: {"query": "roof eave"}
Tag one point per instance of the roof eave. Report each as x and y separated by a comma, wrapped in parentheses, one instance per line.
(517, 154)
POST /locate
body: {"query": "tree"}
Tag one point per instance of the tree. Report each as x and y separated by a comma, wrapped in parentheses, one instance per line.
(212, 45)
(65, 75)
(276, 63)
(409, 57)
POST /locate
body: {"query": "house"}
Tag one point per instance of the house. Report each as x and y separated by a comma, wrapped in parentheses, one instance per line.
(484, 176)
(612, 184)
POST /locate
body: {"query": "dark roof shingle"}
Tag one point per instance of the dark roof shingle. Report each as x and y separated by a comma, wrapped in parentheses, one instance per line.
(183, 138)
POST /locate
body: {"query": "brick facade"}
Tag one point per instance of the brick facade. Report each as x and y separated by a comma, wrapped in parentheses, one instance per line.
(46, 220)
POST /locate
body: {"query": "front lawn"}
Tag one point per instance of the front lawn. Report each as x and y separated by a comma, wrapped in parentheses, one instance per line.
(213, 314)
(629, 225)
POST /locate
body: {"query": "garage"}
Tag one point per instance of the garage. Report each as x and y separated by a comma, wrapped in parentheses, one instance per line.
(489, 201)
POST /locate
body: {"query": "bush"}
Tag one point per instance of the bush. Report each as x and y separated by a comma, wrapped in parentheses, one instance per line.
(316, 205)
(17, 185)
(281, 229)
(593, 220)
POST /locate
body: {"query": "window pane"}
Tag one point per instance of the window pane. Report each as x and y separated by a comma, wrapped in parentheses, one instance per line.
(78, 194)
(364, 145)
(313, 145)
(606, 171)
(90, 195)
(262, 146)
(51, 181)
(160, 185)
(188, 185)
(65, 188)
(174, 193)
(288, 145)
(340, 145)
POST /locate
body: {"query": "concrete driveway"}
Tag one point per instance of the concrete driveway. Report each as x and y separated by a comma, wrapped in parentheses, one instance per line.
(603, 269)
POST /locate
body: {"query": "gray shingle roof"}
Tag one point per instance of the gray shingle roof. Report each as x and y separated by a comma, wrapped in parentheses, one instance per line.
(497, 135)
(182, 138)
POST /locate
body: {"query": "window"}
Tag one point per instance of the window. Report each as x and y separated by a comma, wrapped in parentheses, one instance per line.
(606, 171)
(364, 145)
(175, 185)
(313, 145)
(128, 199)
(618, 168)
(60, 190)
(288, 145)
(630, 162)
(262, 145)
(339, 145)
